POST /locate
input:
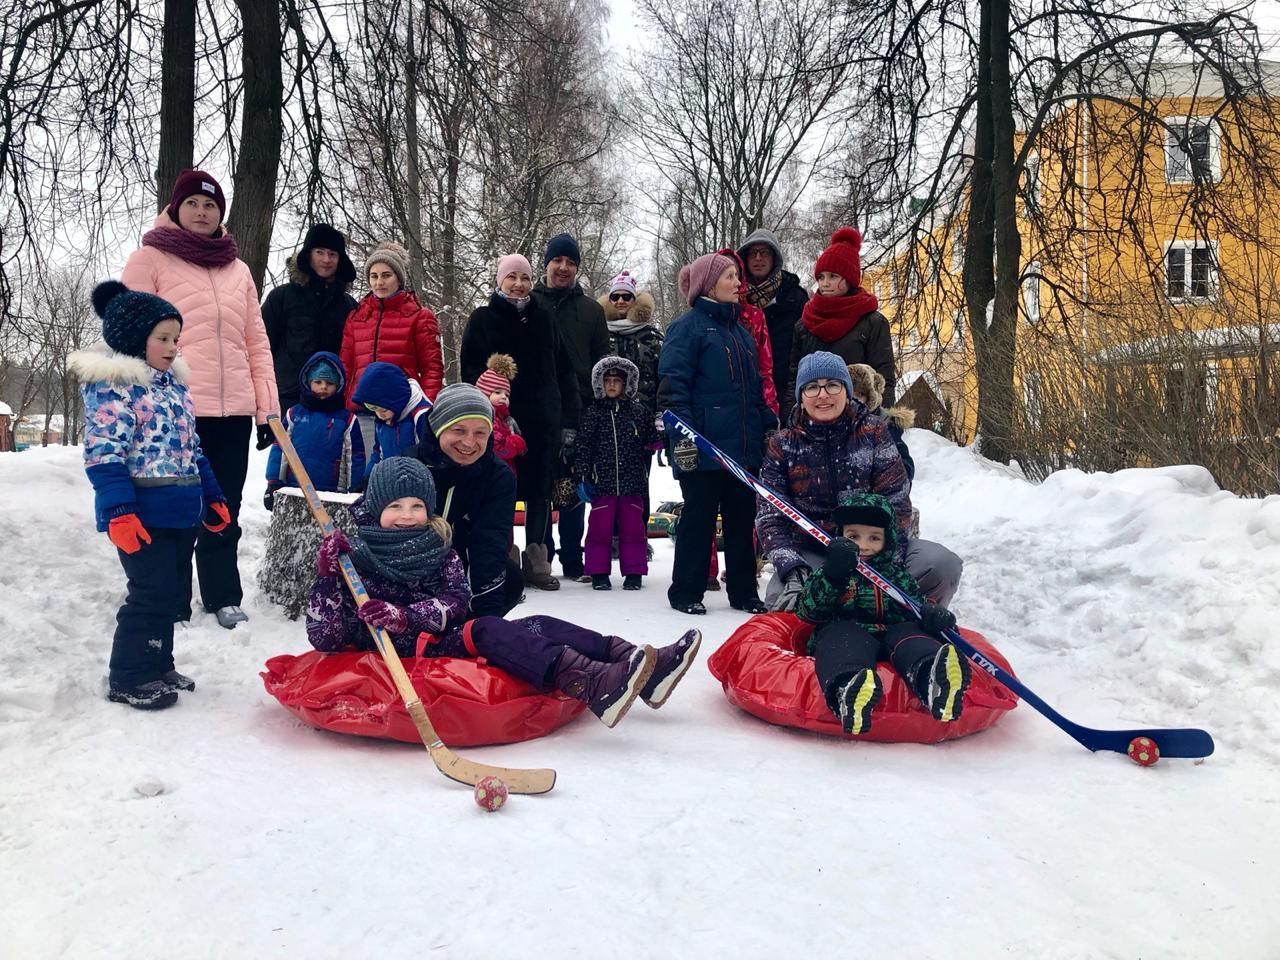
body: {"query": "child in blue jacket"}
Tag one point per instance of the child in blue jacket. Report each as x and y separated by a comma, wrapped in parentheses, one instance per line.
(152, 485)
(324, 432)
(399, 405)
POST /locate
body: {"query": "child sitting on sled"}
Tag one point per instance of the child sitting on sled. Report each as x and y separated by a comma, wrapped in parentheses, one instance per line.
(858, 624)
(420, 594)
(152, 485)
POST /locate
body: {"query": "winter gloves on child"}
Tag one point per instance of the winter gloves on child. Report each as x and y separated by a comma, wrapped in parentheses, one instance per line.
(331, 547)
(685, 456)
(936, 620)
(269, 498)
(380, 613)
(217, 517)
(126, 532)
(841, 560)
(265, 437)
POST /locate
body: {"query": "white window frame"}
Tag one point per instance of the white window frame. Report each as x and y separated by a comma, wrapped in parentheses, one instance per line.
(1211, 390)
(1186, 246)
(957, 249)
(1177, 163)
(958, 321)
(1032, 189)
(1031, 293)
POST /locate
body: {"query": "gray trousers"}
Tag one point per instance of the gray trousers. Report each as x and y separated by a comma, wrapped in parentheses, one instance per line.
(934, 567)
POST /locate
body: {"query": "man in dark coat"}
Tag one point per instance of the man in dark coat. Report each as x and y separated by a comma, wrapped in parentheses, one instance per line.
(476, 493)
(580, 323)
(779, 294)
(306, 315)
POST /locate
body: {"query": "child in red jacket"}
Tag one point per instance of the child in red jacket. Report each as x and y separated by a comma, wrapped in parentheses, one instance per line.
(495, 383)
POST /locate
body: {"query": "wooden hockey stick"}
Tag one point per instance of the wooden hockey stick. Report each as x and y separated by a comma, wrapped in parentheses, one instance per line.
(452, 765)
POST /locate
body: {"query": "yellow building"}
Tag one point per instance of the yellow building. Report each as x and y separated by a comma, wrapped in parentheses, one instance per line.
(1149, 280)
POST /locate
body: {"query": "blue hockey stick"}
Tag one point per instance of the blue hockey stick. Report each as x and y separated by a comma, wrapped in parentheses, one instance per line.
(1173, 742)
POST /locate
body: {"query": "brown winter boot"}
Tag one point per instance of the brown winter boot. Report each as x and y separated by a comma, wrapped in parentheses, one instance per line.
(608, 689)
(537, 569)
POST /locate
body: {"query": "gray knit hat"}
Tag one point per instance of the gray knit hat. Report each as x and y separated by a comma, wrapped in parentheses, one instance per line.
(822, 366)
(394, 256)
(397, 477)
(459, 401)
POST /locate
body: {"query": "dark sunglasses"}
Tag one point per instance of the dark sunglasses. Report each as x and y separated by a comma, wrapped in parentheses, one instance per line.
(615, 297)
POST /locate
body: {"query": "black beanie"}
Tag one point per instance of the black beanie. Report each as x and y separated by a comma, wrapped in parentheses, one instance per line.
(562, 245)
(327, 237)
(128, 316)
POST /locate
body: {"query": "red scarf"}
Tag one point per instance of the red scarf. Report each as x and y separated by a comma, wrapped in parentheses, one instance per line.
(830, 318)
(192, 247)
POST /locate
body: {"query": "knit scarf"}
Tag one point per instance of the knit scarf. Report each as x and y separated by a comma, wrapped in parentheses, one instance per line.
(403, 556)
(520, 303)
(830, 318)
(762, 294)
(192, 247)
(625, 328)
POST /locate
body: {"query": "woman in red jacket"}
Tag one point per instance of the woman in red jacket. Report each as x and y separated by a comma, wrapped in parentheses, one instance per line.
(391, 325)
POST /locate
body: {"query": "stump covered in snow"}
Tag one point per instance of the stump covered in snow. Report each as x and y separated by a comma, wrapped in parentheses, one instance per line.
(289, 565)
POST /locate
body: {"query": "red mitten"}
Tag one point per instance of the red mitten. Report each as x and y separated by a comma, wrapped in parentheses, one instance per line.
(125, 532)
(382, 614)
(222, 517)
(327, 562)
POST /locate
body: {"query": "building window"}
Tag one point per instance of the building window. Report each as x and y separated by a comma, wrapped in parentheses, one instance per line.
(957, 327)
(1031, 399)
(1191, 150)
(1031, 185)
(1191, 272)
(957, 249)
(1031, 293)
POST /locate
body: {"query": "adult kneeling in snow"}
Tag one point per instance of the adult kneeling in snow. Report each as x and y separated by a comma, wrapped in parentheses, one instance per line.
(832, 450)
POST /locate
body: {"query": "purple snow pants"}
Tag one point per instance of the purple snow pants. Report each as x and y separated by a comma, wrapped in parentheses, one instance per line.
(528, 648)
(626, 514)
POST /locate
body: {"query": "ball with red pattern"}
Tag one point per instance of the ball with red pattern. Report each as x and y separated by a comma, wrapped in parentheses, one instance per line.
(1143, 751)
(491, 793)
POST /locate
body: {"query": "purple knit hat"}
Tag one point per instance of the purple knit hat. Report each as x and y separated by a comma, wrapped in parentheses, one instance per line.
(697, 279)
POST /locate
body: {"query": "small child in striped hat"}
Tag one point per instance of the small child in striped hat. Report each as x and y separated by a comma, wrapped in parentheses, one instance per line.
(495, 383)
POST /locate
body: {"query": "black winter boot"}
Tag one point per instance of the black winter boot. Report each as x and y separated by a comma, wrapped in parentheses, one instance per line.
(152, 695)
(632, 581)
(601, 581)
(608, 689)
(178, 681)
(671, 664)
(941, 683)
(856, 698)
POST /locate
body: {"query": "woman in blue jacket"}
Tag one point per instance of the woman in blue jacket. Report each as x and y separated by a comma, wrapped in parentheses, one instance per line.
(710, 377)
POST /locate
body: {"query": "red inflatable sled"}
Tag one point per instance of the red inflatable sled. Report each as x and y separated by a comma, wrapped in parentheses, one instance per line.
(470, 703)
(766, 672)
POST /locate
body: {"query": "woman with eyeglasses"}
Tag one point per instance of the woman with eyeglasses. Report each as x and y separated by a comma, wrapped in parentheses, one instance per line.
(710, 377)
(831, 450)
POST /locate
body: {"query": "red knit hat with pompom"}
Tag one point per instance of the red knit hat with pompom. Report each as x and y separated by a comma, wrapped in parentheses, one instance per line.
(842, 257)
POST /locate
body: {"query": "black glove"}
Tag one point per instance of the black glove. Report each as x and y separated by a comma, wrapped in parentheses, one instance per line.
(841, 560)
(936, 620)
(265, 436)
(567, 438)
(685, 455)
(268, 498)
(792, 589)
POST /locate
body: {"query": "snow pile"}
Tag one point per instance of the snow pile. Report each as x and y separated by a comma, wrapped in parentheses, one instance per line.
(223, 827)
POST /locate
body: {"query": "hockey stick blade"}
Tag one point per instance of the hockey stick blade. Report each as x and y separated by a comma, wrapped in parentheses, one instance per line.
(1185, 742)
(453, 766)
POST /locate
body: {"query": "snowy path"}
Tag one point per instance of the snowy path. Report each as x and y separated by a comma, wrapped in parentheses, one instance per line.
(696, 831)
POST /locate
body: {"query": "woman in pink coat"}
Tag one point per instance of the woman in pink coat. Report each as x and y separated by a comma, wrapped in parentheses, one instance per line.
(191, 261)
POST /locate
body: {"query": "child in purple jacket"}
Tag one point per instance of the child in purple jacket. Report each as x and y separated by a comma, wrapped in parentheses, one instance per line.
(420, 595)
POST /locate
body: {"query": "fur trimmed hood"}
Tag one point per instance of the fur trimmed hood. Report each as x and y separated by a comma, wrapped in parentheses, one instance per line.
(100, 363)
(904, 418)
(615, 363)
(641, 312)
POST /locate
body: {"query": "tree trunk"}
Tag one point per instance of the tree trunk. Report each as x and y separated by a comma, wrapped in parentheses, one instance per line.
(992, 296)
(254, 182)
(177, 96)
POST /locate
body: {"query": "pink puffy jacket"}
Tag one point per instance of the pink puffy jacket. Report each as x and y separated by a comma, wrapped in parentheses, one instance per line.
(223, 339)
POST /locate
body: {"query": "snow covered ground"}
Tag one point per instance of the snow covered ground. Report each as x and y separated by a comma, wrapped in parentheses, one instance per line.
(1146, 597)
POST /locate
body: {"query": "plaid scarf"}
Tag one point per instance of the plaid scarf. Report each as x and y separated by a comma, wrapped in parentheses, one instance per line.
(762, 294)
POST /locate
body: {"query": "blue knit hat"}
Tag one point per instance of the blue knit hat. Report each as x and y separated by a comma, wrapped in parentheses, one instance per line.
(324, 370)
(562, 245)
(128, 316)
(397, 477)
(822, 366)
